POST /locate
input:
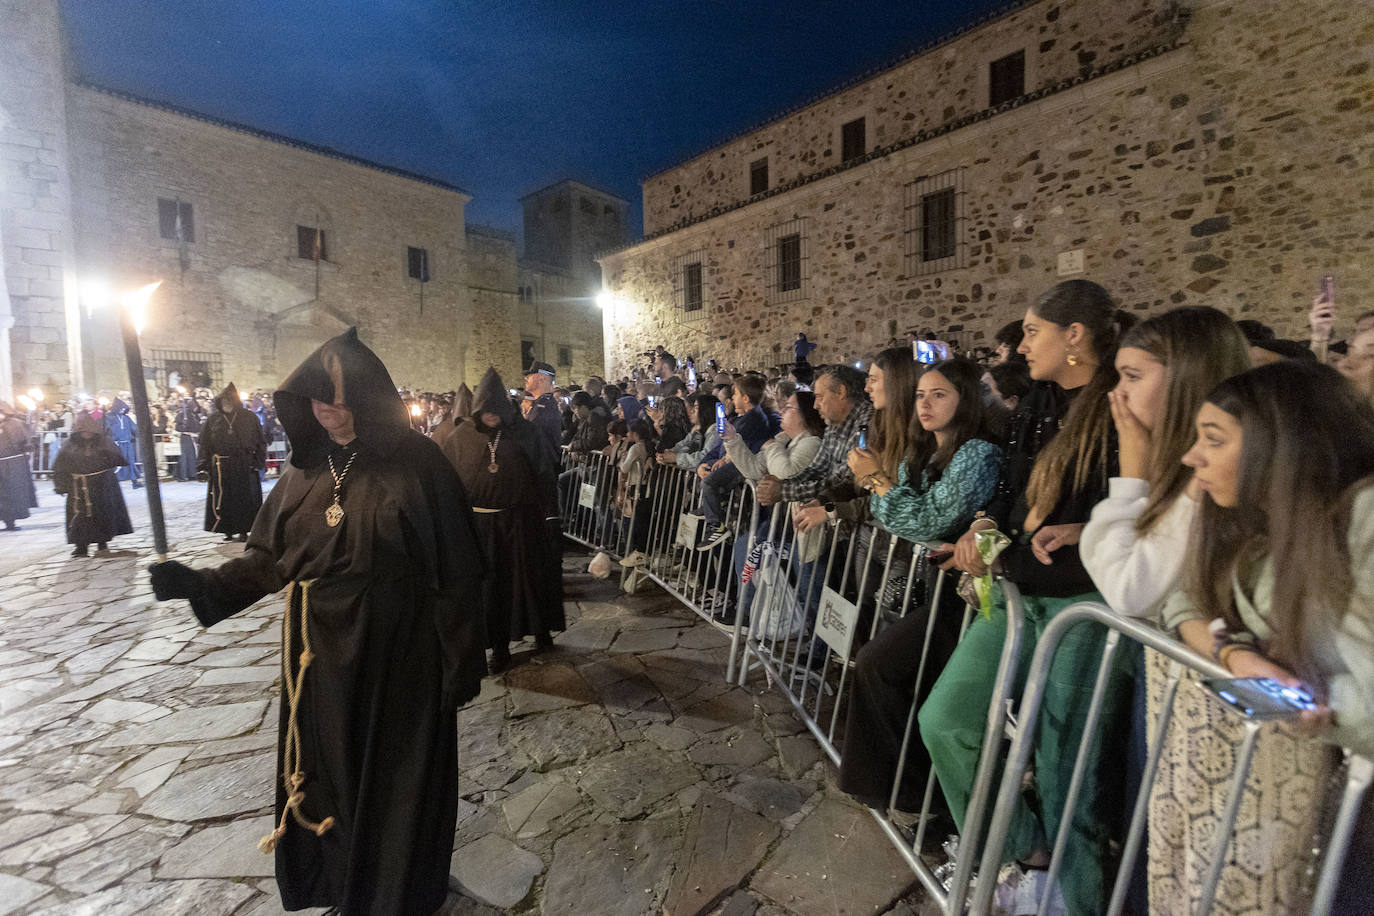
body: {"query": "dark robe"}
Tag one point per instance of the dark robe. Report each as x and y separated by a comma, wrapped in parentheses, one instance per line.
(85, 472)
(523, 595)
(123, 431)
(395, 635)
(17, 493)
(188, 424)
(231, 453)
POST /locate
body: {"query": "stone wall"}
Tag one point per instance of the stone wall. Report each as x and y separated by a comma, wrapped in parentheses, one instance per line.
(241, 289)
(493, 337)
(1231, 171)
(560, 313)
(35, 192)
(1061, 39)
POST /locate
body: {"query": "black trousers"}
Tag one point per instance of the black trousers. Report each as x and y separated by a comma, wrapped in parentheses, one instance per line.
(880, 703)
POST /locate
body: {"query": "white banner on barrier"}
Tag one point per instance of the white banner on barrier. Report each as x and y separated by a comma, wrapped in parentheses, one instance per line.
(587, 497)
(835, 621)
(687, 526)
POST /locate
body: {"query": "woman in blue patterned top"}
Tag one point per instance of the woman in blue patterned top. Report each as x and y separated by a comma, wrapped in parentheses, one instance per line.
(949, 473)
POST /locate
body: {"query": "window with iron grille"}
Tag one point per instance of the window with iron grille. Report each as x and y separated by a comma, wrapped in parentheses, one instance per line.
(308, 240)
(417, 264)
(1006, 78)
(565, 356)
(934, 218)
(852, 140)
(786, 255)
(789, 263)
(758, 176)
(174, 220)
(689, 282)
(691, 287)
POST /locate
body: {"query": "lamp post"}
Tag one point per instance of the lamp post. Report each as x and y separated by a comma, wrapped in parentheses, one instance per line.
(131, 318)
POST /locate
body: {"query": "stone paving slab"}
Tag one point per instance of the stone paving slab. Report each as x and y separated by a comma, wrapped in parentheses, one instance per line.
(137, 757)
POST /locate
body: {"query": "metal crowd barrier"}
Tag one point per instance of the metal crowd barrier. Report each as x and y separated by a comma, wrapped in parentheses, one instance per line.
(802, 604)
(815, 592)
(48, 443)
(654, 521)
(1361, 769)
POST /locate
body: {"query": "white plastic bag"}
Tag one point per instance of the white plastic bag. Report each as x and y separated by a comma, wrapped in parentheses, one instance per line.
(600, 565)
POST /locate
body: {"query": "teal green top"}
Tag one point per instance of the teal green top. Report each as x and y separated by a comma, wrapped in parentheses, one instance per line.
(943, 510)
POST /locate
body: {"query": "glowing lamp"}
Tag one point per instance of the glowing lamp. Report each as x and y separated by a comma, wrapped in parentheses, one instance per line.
(604, 299)
(27, 402)
(36, 394)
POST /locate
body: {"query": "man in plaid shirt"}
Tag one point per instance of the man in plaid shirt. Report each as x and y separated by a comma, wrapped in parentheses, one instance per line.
(841, 402)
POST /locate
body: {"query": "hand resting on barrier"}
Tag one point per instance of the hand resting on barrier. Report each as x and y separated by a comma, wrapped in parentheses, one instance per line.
(966, 556)
(811, 515)
(768, 490)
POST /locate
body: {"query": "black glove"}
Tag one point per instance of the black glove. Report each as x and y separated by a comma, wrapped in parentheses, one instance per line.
(175, 580)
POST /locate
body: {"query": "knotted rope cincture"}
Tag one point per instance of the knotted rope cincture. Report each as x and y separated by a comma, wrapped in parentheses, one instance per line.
(84, 505)
(292, 776)
(214, 507)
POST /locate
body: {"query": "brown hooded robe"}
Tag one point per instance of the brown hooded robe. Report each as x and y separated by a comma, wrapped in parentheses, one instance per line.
(231, 453)
(84, 471)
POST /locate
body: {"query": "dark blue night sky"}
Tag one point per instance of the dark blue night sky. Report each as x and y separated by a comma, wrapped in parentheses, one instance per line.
(500, 97)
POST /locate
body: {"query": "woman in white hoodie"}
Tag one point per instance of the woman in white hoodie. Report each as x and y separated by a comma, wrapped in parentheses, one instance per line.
(1135, 548)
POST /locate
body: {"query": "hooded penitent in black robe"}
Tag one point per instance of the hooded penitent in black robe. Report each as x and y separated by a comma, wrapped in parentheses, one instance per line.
(516, 511)
(188, 424)
(85, 471)
(231, 453)
(123, 431)
(385, 604)
(17, 494)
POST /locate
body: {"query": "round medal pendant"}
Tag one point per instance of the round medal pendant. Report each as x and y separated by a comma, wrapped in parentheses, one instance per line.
(333, 515)
(492, 468)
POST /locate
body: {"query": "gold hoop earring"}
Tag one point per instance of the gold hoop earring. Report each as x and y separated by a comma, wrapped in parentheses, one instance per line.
(1072, 359)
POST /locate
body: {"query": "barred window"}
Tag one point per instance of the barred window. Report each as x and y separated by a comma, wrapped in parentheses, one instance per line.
(787, 251)
(934, 217)
(789, 263)
(565, 356)
(691, 287)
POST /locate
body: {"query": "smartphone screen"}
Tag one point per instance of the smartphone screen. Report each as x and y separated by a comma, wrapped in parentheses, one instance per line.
(1261, 697)
(653, 400)
(1329, 288)
(720, 419)
(925, 352)
(863, 437)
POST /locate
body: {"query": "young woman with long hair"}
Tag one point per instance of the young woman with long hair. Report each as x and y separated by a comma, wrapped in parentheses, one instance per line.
(947, 474)
(1284, 455)
(1051, 477)
(700, 439)
(891, 386)
(1135, 545)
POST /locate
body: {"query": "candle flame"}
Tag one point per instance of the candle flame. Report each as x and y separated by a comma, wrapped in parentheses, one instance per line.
(27, 402)
(36, 394)
(136, 301)
(414, 410)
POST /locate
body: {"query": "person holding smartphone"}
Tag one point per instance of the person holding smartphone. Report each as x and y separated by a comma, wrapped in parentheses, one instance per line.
(1280, 585)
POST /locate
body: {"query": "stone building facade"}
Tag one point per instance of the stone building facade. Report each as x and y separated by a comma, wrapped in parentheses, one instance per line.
(1212, 152)
(265, 246)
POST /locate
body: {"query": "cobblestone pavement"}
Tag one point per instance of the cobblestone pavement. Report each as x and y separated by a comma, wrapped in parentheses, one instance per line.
(615, 774)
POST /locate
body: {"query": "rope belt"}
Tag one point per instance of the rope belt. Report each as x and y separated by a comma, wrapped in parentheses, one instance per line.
(292, 776)
(84, 506)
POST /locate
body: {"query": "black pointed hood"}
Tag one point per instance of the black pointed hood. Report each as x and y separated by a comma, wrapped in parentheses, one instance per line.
(343, 370)
(119, 407)
(491, 397)
(228, 400)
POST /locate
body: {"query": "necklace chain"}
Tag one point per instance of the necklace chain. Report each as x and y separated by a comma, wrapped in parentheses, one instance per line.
(491, 449)
(339, 478)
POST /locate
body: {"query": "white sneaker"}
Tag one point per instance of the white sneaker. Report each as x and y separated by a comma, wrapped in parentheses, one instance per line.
(635, 559)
